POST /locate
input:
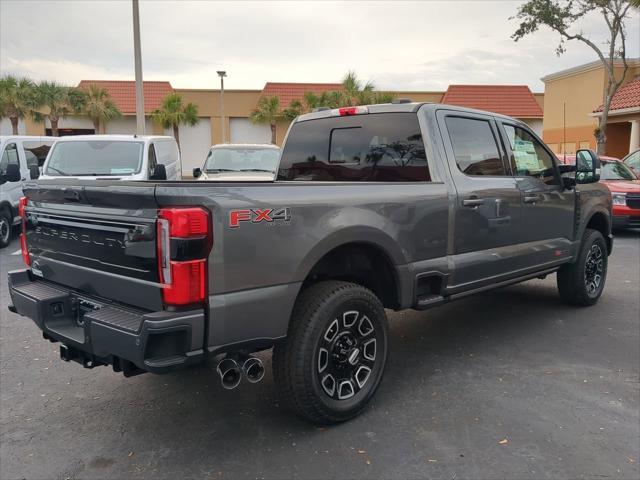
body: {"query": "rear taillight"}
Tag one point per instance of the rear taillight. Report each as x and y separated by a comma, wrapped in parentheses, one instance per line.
(184, 239)
(22, 211)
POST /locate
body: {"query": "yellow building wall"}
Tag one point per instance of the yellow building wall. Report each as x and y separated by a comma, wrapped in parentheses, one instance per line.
(580, 94)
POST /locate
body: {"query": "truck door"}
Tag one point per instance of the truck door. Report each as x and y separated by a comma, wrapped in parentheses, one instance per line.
(547, 207)
(486, 216)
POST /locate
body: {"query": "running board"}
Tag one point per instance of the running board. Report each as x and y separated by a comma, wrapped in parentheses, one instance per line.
(428, 301)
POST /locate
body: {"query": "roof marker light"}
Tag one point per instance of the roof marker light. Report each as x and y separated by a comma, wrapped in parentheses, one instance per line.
(347, 111)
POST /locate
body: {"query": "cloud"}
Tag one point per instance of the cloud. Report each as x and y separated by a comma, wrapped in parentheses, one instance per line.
(399, 45)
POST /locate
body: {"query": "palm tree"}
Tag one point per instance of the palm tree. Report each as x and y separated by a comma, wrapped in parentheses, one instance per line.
(355, 92)
(98, 106)
(294, 109)
(174, 113)
(58, 100)
(16, 99)
(267, 111)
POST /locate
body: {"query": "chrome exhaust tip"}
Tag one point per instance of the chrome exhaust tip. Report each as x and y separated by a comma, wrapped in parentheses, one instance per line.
(253, 369)
(230, 373)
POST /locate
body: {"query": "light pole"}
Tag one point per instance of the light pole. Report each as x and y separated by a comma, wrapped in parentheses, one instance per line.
(222, 74)
(137, 54)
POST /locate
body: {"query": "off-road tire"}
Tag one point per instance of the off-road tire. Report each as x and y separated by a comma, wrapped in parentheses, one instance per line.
(572, 278)
(297, 360)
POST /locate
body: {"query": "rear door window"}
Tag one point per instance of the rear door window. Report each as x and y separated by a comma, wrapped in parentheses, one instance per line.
(369, 148)
(475, 146)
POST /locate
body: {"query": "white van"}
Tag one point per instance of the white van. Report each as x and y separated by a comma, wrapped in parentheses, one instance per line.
(21, 158)
(114, 157)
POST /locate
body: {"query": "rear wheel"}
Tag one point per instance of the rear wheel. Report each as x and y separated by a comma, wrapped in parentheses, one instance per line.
(582, 282)
(5, 228)
(333, 358)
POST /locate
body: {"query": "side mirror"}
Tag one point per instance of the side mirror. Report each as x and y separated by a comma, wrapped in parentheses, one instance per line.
(587, 167)
(159, 173)
(12, 174)
(197, 172)
(34, 172)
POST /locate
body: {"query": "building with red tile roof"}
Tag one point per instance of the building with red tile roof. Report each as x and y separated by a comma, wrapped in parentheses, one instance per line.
(288, 92)
(123, 93)
(627, 97)
(512, 100)
(573, 105)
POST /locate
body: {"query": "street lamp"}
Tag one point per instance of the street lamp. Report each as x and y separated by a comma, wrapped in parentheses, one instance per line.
(222, 74)
(138, 69)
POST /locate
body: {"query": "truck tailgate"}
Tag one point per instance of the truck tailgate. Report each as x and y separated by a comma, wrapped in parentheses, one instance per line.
(95, 238)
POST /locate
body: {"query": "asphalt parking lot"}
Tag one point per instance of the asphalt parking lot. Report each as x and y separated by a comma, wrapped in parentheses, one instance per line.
(510, 384)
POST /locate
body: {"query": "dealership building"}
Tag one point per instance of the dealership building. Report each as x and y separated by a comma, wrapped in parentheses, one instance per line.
(565, 115)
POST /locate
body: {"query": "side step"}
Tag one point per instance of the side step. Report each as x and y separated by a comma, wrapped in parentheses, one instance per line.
(428, 301)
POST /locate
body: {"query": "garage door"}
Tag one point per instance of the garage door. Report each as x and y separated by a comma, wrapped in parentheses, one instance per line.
(195, 142)
(127, 126)
(244, 131)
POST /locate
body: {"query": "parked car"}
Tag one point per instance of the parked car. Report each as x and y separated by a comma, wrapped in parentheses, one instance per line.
(21, 157)
(632, 160)
(624, 185)
(114, 157)
(156, 276)
(240, 163)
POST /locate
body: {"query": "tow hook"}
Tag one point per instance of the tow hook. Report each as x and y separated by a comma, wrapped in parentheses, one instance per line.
(86, 360)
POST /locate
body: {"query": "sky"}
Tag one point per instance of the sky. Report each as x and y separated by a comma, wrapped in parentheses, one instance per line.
(404, 46)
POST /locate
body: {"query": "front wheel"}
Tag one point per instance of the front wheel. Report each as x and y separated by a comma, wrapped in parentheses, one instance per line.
(582, 282)
(333, 358)
(5, 229)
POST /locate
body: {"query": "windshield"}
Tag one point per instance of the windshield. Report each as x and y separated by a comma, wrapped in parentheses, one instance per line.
(242, 160)
(616, 171)
(95, 157)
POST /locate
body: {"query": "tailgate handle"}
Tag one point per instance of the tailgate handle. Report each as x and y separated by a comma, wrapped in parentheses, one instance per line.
(72, 195)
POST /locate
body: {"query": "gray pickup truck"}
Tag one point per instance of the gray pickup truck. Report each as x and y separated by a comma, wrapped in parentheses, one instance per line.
(393, 206)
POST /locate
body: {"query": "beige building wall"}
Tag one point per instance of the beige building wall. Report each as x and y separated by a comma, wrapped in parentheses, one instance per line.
(569, 99)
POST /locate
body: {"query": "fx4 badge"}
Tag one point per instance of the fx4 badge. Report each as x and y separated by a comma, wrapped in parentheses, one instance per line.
(258, 215)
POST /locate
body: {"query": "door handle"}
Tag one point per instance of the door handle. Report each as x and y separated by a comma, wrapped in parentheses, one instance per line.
(532, 198)
(472, 202)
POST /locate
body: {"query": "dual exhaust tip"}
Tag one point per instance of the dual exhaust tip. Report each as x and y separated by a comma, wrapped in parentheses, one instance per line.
(232, 369)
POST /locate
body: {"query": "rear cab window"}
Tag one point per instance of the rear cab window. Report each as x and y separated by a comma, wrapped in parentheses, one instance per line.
(383, 147)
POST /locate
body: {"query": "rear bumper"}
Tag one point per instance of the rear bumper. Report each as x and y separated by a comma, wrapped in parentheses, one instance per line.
(96, 332)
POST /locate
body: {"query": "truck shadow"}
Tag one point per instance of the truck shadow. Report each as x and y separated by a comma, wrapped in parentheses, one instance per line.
(186, 423)
(422, 344)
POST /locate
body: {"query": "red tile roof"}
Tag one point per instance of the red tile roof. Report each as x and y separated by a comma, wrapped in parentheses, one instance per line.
(628, 96)
(513, 100)
(287, 92)
(123, 93)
